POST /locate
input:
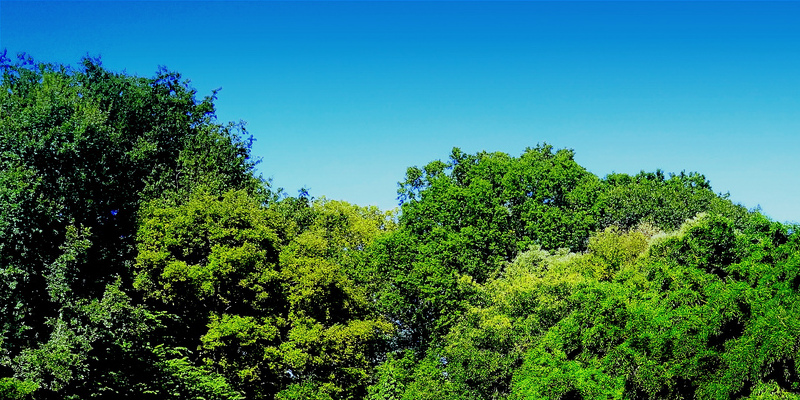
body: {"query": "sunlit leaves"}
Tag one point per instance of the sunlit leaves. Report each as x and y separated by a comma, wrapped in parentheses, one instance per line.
(334, 330)
(202, 250)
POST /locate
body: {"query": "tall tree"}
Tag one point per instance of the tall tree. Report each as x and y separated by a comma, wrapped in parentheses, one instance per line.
(81, 149)
(462, 220)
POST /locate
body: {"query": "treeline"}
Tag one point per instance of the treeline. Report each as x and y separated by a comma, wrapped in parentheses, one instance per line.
(141, 256)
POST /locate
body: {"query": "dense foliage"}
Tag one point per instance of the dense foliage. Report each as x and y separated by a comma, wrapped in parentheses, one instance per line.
(142, 257)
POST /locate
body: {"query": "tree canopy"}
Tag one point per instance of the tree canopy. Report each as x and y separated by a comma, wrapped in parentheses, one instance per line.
(142, 256)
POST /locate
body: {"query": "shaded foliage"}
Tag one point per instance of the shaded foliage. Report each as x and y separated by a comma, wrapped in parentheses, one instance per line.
(80, 151)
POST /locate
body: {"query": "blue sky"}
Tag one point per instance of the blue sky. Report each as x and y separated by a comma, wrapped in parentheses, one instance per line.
(342, 97)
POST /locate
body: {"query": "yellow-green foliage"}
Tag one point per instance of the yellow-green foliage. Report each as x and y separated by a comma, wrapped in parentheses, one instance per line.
(611, 249)
(269, 315)
(333, 327)
(682, 322)
(15, 389)
(202, 250)
(771, 391)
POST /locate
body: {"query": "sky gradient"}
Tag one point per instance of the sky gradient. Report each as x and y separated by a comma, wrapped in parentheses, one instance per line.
(342, 97)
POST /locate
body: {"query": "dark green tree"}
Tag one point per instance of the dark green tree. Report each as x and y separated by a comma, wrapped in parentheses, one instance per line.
(81, 150)
(662, 200)
(462, 220)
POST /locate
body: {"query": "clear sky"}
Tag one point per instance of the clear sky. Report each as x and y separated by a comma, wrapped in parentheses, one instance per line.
(342, 97)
